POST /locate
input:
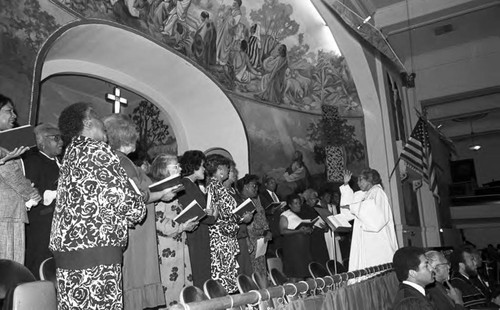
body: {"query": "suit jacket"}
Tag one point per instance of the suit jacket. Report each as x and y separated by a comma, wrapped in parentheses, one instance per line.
(273, 218)
(439, 296)
(474, 293)
(408, 298)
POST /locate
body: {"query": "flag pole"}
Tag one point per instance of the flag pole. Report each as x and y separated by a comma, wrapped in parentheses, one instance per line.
(395, 166)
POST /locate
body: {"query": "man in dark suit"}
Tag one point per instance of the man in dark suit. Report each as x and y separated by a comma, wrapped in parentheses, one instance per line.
(414, 273)
(475, 291)
(267, 196)
(41, 167)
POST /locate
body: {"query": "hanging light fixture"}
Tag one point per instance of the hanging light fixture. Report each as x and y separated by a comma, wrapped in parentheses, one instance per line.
(473, 146)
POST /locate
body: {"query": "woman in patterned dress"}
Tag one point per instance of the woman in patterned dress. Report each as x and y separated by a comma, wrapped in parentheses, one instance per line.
(173, 252)
(223, 243)
(95, 205)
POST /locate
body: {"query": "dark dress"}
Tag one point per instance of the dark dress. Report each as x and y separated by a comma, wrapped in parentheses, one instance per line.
(43, 172)
(273, 218)
(318, 249)
(199, 239)
(296, 252)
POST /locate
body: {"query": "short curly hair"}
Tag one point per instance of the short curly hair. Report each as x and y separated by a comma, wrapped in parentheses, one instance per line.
(191, 161)
(121, 131)
(372, 176)
(4, 100)
(71, 120)
(214, 161)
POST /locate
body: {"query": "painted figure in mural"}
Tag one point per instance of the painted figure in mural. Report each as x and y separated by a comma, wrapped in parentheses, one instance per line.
(141, 274)
(178, 15)
(243, 70)
(175, 261)
(161, 13)
(223, 234)
(16, 192)
(182, 40)
(96, 203)
(254, 50)
(204, 46)
(226, 32)
(373, 228)
(273, 80)
(41, 167)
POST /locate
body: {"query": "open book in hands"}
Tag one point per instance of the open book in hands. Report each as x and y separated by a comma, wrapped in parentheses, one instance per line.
(192, 210)
(171, 181)
(295, 222)
(244, 207)
(276, 205)
(336, 222)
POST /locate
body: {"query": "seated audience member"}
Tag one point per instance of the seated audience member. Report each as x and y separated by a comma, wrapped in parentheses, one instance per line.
(193, 171)
(267, 195)
(475, 293)
(296, 242)
(413, 271)
(495, 297)
(319, 250)
(41, 167)
(175, 262)
(16, 192)
(223, 233)
(442, 294)
(141, 273)
(258, 227)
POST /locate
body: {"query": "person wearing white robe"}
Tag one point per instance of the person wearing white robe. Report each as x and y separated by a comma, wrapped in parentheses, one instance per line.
(373, 237)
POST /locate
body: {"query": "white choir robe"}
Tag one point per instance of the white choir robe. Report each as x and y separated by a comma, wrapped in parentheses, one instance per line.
(331, 243)
(373, 235)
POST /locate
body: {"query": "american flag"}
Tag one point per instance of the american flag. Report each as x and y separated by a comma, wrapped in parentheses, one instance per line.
(418, 155)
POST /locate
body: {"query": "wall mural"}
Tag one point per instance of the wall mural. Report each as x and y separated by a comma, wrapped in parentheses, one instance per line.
(269, 51)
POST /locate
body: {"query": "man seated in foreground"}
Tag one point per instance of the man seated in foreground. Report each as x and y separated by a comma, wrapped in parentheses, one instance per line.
(412, 270)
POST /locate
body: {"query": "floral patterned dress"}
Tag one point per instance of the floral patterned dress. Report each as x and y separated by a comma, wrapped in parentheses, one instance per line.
(95, 205)
(223, 242)
(173, 252)
(257, 229)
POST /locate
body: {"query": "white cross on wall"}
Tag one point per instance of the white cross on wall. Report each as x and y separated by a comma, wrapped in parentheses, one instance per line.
(116, 99)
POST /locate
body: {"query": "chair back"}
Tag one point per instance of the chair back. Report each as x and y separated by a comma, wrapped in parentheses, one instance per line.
(11, 275)
(40, 295)
(274, 263)
(279, 253)
(192, 294)
(246, 284)
(261, 280)
(48, 270)
(277, 277)
(330, 266)
(317, 270)
(214, 289)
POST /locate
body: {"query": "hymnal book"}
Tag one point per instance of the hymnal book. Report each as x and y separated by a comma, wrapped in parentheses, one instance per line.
(338, 222)
(192, 210)
(261, 247)
(295, 222)
(17, 136)
(136, 189)
(244, 207)
(171, 181)
(276, 205)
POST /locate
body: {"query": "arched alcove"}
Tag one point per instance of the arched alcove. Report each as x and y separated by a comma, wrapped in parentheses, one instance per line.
(126, 58)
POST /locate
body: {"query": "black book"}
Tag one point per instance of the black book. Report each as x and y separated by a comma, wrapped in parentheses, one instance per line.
(307, 223)
(245, 206)
(17, 136)
(192, 210)
(337, 223)
(276, 205)
(171, 181)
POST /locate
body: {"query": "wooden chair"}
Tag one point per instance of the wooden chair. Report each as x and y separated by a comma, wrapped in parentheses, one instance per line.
(48, 270)
(261, 280)
(35, 295)
(246, 284)
(330, 266)
(11, 275)
(214, 289)
(191, 294)
(277, 277)
(317, 270)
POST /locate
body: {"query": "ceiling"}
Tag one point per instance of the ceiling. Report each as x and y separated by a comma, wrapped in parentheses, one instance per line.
(426, 34)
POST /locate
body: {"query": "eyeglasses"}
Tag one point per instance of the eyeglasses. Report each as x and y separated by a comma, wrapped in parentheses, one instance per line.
(55, 138)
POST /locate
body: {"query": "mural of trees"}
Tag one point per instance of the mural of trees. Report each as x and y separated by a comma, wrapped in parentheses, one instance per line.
(275, 18)
(152, 129)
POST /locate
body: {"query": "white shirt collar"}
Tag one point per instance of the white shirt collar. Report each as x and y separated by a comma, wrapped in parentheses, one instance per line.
(415, 286)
